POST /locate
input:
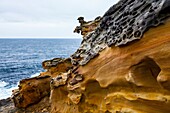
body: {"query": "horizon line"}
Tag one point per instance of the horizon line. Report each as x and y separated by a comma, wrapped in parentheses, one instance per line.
(40, 38)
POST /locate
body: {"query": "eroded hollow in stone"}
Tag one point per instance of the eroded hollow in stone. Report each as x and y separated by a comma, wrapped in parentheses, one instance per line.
(145, 73)
(123, 23)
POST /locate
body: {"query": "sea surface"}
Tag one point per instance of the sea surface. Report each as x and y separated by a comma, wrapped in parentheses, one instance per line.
(22, 58)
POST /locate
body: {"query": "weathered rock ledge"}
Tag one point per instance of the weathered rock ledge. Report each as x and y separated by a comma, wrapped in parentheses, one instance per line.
(123, 23)
(112, 71)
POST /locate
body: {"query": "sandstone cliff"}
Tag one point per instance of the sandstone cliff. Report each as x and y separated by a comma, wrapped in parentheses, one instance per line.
(121, 66)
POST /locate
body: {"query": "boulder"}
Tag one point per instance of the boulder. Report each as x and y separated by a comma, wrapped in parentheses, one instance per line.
(56, 66)
(31, 91)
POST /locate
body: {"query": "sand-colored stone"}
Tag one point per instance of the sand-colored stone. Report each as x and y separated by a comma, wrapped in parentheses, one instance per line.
(130, 79)
(31, 91)
(56, 66)
(110, 73)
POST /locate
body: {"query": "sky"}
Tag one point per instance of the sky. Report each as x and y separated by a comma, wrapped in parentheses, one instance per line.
(47, 18)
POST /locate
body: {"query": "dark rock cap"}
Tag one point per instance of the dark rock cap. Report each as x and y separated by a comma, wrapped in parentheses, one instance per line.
(80, 18)
(124, 22)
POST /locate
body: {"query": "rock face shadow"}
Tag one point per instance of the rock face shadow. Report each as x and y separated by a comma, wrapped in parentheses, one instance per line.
(145, 73)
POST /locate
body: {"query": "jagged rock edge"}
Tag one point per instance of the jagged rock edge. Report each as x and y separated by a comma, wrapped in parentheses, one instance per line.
(114, 30)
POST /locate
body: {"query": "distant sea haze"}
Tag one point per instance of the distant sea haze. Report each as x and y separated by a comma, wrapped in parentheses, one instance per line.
(22, 58)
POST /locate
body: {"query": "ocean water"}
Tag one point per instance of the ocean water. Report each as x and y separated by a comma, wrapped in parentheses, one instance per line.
(22, 58)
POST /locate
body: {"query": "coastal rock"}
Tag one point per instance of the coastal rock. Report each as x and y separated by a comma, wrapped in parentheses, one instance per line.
(122, 75)
(110, 72)
(121, 79)
(56, 66)
(75, 98)
(6, 105)
(33, 94)
(87, 27)
(51, 63)
(42, 107)
(66, 92)
(123, 23)
(31, 91)
(60, 80)
(4, 101)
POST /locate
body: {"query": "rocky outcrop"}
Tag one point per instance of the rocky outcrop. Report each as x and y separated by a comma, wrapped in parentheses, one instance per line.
(112, 71)
(41, 107)
(56, 66)
(87, 27)
(131, 78)
(126, 79)
(123, 23)
(122, 76)
(6, 105)
(31, 91)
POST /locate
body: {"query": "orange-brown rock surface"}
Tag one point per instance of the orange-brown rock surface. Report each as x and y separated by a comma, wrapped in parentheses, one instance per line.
(112, 71)
(127, 79)
(130, 77)
(56, 66)
(31, 91)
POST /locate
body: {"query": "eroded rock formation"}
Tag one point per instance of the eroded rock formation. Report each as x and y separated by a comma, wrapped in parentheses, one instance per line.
(131, 78)
(127, 79)
(31, 91)
(87, 27)
(122, 23)
(110, 72)
(56, 66)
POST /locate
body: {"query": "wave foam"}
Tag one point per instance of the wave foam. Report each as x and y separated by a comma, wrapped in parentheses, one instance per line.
(3, 84)
(5, 92)
(34, 75)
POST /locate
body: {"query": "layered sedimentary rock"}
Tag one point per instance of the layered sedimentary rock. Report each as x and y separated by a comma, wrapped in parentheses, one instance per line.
(56, 66)
(31, 91)
(113, 71)
(127, 79)
(122, 76)
(122, 23)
